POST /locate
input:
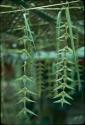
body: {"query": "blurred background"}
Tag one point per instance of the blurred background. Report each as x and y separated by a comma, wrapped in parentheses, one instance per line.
(42, 69)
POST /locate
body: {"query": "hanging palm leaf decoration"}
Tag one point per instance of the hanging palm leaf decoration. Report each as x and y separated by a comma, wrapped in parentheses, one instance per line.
(64, 67)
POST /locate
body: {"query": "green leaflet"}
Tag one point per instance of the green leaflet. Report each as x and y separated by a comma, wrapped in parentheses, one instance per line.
(62, 101)
(25, 99)
(24, 79)
(29, 111)
(58, 23)
(26, 90)
(70, 79)
(63, 85)
(24, 111)
(28, 30)
(63, 94)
